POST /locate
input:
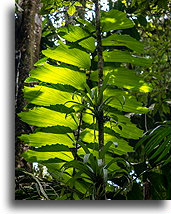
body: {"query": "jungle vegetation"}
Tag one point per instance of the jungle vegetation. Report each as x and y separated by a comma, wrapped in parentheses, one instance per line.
(93, 100)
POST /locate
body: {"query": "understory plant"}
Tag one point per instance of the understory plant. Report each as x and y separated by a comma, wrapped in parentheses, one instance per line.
(80, 100)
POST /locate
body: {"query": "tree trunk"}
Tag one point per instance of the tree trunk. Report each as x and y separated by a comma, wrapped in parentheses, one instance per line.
(147, 190)
(27, 43)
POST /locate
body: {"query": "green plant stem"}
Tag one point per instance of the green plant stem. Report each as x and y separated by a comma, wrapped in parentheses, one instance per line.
(100, 115)
(100, 76)
(76, 147)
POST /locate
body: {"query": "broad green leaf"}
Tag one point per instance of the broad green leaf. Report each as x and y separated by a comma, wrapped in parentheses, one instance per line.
(42, 139)
(123, 40)
(42, 95)
(78, 4)
(77, 34)
(88, 26)
(114, 20)
(94, 152)
(122, 126)
(71, 10)
(72, 56)
(124, 78)
(125, 57)
(120, 146)
(113, 167)
(129, 131)
(112, 113)
(123, 101)
(42, 61)
(35, 156)
(61, 75)
(43, 117)
(87, 117)
(83, 187)
(119, 116)
(31, 80)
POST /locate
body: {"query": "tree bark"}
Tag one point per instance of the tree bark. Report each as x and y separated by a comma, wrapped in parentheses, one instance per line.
(27, 44)
(147, 190)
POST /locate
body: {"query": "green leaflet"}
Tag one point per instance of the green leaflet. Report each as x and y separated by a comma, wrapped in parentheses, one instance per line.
(157, 143)
(124, 56)
(77, 34)
(122, 125)
(88, 26)
(114, 20)
(35, 156)
(123, 101)
(123, 40)
(58, 74)
(120, 146)
(39, 139)
(124, 78)
(42, 95)
(87, 117)
(43, 117)
(129, 131)
(72, 56)
(41, 61)
(71, 10)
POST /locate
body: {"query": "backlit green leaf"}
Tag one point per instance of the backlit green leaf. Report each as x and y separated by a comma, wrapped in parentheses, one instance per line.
(42, 95)
(114, 20)
(78, 4)
(42, 139)
(123, 40)
(124, 78)
(120, 146)
(77, 34)
(72, 56)
(43, 117)
(71, 10)
(123, 101)
(125, 57)
(129, 131)
(58, 74)
(35, 156)
(86, 25)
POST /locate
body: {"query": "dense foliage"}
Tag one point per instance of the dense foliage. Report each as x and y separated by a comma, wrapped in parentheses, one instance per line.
(87, 117)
